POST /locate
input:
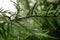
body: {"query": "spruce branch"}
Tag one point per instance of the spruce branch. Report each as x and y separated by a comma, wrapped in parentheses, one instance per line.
(34, 16)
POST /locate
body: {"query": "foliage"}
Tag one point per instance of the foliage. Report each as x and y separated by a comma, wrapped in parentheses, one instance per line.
(38, 22)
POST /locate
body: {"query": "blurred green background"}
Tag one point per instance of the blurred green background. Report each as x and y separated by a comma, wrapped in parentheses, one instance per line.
(34, 20)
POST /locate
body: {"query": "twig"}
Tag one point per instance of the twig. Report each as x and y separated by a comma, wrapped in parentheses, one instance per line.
(30, 17)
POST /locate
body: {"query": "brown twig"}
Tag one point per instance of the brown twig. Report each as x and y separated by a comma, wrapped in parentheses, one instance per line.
(31, 17)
